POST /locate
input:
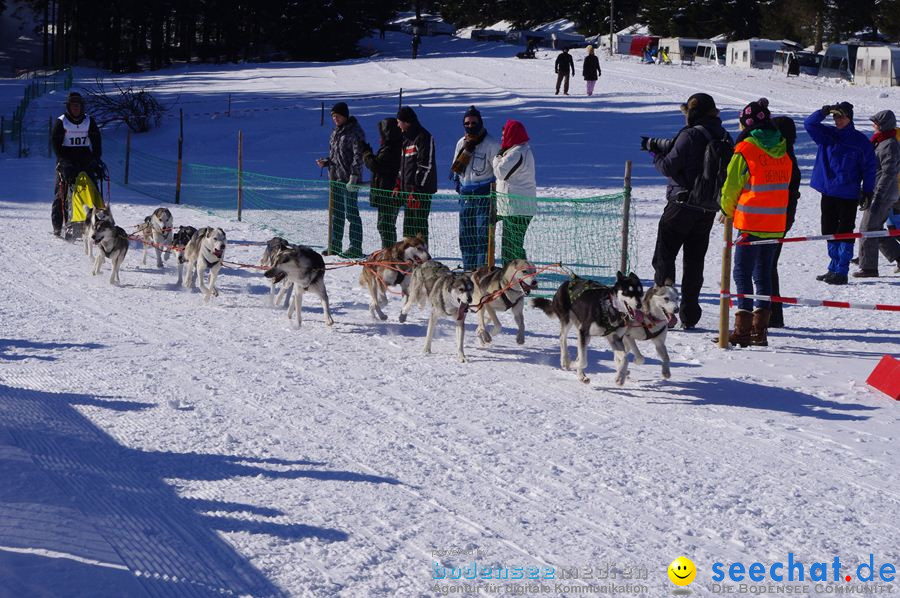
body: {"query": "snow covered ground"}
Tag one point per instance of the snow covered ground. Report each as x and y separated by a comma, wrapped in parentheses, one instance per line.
(154, 445)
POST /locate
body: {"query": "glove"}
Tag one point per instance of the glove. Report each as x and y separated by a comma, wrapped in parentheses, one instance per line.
(352, 187)
(412, 202)
(644, 142)
(865, 200)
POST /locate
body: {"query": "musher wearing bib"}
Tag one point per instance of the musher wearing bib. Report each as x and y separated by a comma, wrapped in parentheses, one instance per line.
(77, 145)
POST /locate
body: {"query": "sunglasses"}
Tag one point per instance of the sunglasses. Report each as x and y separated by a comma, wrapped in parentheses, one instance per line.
(471, 123)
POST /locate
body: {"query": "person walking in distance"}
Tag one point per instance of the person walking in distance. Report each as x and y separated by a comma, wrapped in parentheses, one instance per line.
(565, 67)
(590, 70)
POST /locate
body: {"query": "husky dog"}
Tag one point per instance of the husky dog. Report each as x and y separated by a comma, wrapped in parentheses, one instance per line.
(304, 269)
(450, 295)
(376, 278)
(275, 248)
(516, 280)
(180, 239)
(92, 220)
(112, 241)
(206, 249)
(420, 285)
(595, 309)
(659, 307)
(157, 230)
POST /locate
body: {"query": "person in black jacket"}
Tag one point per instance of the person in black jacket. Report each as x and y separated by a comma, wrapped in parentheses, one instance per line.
(418, 173)
(788, 130)
(590, 70)
(564, 67)
(77, 145)
(683, 226)
(385, 166)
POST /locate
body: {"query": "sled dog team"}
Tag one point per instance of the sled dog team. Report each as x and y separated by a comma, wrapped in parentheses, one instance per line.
(622, 313)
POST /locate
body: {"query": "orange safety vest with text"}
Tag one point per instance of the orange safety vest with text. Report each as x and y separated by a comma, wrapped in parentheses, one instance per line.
(762, 205)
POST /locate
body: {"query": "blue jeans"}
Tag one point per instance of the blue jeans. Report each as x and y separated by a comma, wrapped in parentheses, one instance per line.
(474, 217)
(753, 265)
(344, 207)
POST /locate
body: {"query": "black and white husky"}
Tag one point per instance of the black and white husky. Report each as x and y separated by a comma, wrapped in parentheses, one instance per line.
(304, 269)
(157, 230)
(112, 243)
(275, 248)
(595, 309)
(508, 286)
(180, 239)
(92, 220)
(660, 309)
(205, 251)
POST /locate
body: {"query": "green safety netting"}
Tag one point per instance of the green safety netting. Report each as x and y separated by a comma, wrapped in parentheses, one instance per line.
(583, 234)
(26, 134)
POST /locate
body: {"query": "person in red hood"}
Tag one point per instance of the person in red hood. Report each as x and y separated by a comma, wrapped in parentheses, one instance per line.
(516, 189)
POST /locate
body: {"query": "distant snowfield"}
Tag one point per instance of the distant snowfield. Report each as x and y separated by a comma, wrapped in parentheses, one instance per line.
(151, 444)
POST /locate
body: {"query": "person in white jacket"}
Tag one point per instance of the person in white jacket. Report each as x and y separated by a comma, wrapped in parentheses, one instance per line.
(473, 173)
(516, 189)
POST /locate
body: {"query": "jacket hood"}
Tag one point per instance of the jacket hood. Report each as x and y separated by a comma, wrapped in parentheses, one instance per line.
(389, 131)
(513, 134)
(769, 140)
(885, 120)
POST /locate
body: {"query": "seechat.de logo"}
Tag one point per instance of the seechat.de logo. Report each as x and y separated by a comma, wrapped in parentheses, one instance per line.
(682, 571)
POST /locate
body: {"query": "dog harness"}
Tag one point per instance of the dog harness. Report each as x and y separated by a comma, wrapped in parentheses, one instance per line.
(610, 318)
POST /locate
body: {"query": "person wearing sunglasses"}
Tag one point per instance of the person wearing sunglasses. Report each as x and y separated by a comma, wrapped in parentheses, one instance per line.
(844, 163)
(472, 171)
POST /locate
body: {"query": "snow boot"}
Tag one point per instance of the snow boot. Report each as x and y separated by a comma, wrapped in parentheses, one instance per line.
(825, 277)
(837, 279)
(759, 328)
(740, 336)
(864, 273)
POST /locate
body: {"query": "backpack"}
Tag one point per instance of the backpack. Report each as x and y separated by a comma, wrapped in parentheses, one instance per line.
(706, 194)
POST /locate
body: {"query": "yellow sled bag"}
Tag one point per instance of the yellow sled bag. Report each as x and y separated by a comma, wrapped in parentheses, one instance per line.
(85, 195)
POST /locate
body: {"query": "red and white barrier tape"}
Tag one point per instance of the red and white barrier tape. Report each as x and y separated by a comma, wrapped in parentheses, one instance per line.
(814, 302)
(838, 237)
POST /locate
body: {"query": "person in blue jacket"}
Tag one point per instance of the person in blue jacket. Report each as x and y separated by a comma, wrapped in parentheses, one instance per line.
(845, 161)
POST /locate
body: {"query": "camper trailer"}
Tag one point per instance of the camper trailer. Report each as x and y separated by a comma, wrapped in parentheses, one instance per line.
(710, 52)
(679, 49)
(839, 61)
(794, 62)
(752, 53)
(877, 65)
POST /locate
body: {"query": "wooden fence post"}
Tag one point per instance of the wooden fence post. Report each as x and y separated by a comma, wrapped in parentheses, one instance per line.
(180, 145)
(626, 219)
(240, 174)
(725, 302)
(127, 155)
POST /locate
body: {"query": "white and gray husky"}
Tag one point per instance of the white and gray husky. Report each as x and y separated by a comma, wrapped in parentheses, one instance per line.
(205, 251)
(304, 269)
(157, 231)
(112, 243)
(449, 294)
(660, 308)
(92, 220)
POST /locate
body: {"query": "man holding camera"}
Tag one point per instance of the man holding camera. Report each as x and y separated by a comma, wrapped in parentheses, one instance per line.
(845, 160)
(683, 223)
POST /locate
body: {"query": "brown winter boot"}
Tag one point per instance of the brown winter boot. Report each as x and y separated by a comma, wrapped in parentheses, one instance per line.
(760, 328)
(740, 336)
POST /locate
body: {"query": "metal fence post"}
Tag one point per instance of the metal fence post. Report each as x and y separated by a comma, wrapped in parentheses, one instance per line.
(240, 173)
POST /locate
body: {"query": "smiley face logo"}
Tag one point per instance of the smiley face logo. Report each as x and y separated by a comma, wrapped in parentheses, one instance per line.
(682, 571)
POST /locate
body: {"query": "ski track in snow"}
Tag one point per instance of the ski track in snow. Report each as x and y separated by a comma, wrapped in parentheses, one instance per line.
(333, 461)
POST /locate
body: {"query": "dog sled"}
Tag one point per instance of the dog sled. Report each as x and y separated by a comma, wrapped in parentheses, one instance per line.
(78, 198)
